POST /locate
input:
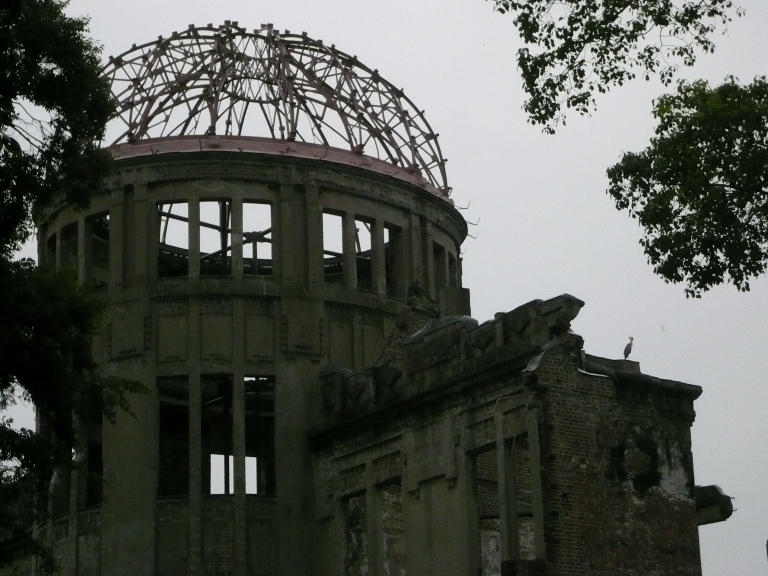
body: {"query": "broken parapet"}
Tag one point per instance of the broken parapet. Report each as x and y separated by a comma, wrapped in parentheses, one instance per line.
(426, 353)
(631, 384)
(449, 347)
(419, 311)
(602, 476)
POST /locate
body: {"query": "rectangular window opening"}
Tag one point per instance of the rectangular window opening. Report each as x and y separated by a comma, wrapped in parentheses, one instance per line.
(260, 435)
(392, 236)
(216, 422)
(221, 471)
(487, 504)
(97, 230)
(452, 271)
(440, 264)
(94, 472)
(251, 475)
(363, 248)
(50, 251)
(91, 427)
(69, 246)
(215, 238)
(173, 473)
(60, 490)
(173, 245)
(333, 258)
(257, 239)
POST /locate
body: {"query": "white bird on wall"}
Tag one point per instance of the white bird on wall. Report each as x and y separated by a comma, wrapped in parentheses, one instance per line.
(628, 348)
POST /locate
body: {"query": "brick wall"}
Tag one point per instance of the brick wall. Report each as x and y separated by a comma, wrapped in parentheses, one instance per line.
(217, 537)
(619, 481)
(614, 452)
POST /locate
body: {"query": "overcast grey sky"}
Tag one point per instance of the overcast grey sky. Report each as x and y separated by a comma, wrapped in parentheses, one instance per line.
(545, 223)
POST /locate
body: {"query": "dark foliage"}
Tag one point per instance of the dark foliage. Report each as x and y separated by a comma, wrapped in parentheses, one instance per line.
(585, 47)
(700, 190)
(54, 106)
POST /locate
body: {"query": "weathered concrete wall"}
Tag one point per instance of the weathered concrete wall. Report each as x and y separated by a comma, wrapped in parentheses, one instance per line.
(405, 441)
(172, 314)
(511, 456)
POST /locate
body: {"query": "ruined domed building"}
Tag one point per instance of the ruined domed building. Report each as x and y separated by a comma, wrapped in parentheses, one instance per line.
(281, 261)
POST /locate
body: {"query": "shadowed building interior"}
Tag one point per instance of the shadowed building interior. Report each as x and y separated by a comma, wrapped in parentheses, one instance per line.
(287, 284)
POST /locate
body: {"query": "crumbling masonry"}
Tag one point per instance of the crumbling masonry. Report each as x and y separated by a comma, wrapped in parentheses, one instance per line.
(320, 401)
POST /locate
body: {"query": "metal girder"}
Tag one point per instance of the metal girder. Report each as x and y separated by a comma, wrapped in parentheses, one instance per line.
(229, 81)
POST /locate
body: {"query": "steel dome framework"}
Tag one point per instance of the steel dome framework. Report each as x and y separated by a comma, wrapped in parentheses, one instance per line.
(226, 80)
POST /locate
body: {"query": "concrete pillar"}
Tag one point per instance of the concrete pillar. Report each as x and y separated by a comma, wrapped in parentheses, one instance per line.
(292, 238)
(378, 270)
(195, 441)
(314, 238)
(373, 528)
(236, 226)
(128, 238)
(240, 547)
(459, 267)
(115, 242)
(537, 497)
(193, 214)
(296, 522)
(472, 542)
(278, 269)
(415, 252)
(153, 241)
(141, 236)
(349, 250)
(505, 477)
(440, 269)
(130, 470)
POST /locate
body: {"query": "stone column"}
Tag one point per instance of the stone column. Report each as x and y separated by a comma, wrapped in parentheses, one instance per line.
(378, 270)
(291, 238)
(373, 515)
(195, 440)
(141, 236)
(127, 238)
(115, 242)
(314, 238)
(349, 250)
(193, 211)
(537, 497)
(505, 476)
(415, 253)
(238, 440)
(236, 226)
(153, 241)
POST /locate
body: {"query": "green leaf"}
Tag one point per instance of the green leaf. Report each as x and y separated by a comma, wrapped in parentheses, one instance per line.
(700, 190)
